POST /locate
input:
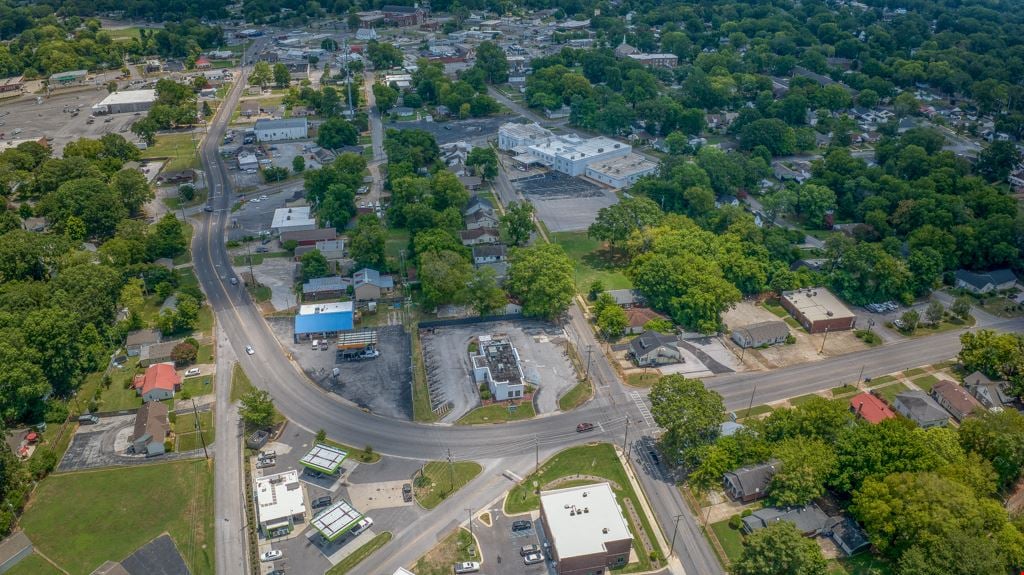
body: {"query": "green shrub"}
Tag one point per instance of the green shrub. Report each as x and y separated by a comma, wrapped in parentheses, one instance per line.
(169, 446)
(735, 522)
(790, 339)
(56, 411)
(746, 513)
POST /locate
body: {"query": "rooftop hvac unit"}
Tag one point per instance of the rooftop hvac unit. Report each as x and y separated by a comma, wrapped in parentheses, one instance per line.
(584, 493)
(600, 150)
(604, 530)
(828, 313)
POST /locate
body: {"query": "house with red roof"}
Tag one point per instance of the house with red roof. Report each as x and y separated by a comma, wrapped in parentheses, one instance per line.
(870, 408)
(159, 382)
(203, 64)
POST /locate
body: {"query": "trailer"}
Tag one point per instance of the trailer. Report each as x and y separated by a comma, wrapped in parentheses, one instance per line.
(357, 345)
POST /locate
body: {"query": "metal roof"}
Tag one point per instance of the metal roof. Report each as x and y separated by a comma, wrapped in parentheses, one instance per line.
(337, 519)
(324, 458)
(323, 322)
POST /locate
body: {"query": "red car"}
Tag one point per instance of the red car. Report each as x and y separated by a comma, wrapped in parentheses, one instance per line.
(584, 427)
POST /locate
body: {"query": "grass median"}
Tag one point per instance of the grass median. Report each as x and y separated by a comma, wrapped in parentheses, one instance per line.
(438, 481)
(576, 396)
(497, 413)
(357, 556)
(457, 546)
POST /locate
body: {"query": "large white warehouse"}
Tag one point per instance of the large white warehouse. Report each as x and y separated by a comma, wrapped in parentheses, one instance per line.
(129, 101)
(285, 129)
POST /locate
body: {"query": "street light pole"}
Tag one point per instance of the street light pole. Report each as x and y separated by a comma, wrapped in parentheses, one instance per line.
(672, 546)
(470, 512)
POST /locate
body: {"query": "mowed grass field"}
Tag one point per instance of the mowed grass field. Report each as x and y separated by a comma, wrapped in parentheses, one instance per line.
(80, 520)
(593, 261)
(178, 147)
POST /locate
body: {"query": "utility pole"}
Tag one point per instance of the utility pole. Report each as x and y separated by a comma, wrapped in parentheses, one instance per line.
(470, 512)
(587, 377)
(672, 546)
(348, 76)
(823, 340)
(536, 454)
(199, 428)
(625, 439)
(751, 404)
(451, 471)
(860, 377)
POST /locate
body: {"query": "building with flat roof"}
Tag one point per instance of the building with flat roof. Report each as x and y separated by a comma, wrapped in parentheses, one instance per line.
(818, 310)
(12, 84)
(280, 502)
(571, 154)
(497, 365)
(283, 129)
(323, 319)
(68, 78)
(292, 219)
(657, 60)
(126, 101)
(512, 135)
(336, 520)
(324, 458)
(309, 237)
(621, 172)
(587, 529)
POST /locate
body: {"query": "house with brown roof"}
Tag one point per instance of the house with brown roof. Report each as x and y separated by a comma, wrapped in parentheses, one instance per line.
(955, 399)
(310, 237)
(138, 339)
(479, 236)
(151, 429)
(992, 394)
(159, 382)
(638, 317)
(157, 352)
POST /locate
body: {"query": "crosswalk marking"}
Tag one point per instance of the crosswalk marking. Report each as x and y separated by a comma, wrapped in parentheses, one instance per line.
(642, 406)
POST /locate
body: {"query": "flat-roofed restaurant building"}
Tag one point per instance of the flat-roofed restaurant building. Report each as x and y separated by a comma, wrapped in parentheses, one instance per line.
(818, 310)
(280, 503)
(336, 520)
(587, 529)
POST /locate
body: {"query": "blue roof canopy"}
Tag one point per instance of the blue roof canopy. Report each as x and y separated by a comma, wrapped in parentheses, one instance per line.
(323, 322)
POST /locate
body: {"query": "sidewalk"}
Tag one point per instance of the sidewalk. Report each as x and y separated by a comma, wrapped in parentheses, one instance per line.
(674, 564)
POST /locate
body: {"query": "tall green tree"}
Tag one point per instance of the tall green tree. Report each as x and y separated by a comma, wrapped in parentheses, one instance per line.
(541, 276)
(367, 242)
(282, 77)
(483, 292)
(780, 549)
(491, 60)
(516, 224)
(257, 409)
(805, 465)
(690, 414)
(444, 276)
(615, 223)
(314, 265)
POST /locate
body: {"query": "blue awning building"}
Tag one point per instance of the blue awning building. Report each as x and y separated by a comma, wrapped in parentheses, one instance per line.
(323, 319)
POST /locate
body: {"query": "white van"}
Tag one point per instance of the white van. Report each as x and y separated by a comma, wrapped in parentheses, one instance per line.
(316, 343)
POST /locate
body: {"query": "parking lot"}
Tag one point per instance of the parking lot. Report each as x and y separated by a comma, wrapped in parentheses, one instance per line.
(50, 118)
(254, 216)
(565, 203)
(542, 354)
(475, 130)
(500, 545)
(382, 385)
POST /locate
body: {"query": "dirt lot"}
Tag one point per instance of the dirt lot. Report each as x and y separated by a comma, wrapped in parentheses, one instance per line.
(565, 203)
(805, 349)
(542, 351)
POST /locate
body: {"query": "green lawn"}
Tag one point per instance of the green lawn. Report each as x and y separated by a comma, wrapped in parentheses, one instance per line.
(421, 410)
(179, 148)
(596, 460)
(188, 438)
(753, 411)
(731, 539)
(186, 231)
(642, 379)
(881, 380)
(80, 520)
(436, 484)
(575, 396)
(497, 413)
(926, 382)
(593, 261)
(196, 386)
(860, 564)
(943, 326)
(122, 33)
(397, 241)
(457, 546)
(362, 455)
(204, 322)
(116, 398)
(240, 383)
(775, 308)
(205, 353)
(798, 401)
(260, 293)
(257, 259)
(33, 565)
(844, 389)
(888, 393)
(357, 556)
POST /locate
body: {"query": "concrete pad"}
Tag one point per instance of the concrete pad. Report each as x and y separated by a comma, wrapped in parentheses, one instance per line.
(381, 495)
(340, 548)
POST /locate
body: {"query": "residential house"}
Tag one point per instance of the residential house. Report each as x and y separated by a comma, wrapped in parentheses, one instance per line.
(749, 483)
(479, 236)
(249, 108)
(923, 410)
(651, 349)
(626, 298)
(761, 333)
(176, 177)
(487, 254)
(331, 287)
(139, 339)
(870, 408)
(985, 282)
(846, 534)
(158, 382)
(151, 429)
(370, 285)
(992, 394)
(638, 317)
(955, 399)
(809, 520)
(157, 352)
(202, 63)
(481, 219)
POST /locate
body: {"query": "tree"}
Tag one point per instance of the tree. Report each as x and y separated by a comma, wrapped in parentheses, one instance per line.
(780, 549)
(491, 60)
(282, 77)
(367, 242)
(541, 277)
(275, 174)
(612, 321)
(335, 133)
(771, 133)
(935, 312)
(257, 409)
(385, 96)
(961, 307)
(997, 355)
(314, 265)
(483, 292)
(444, 276)
(805, 465)
(167, 238)
(615, 223)
(690, 413)
(261, 74)
(133, 189)
(910, 320)
(184, 353)
(298, 164)
(596, 288)
(383, 55)
(999, 438)
(516, 224)
(997, 160)
(484, 160)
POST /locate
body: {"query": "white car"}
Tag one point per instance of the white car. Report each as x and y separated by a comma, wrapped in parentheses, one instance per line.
(192, 372)
(263, 197)
(254, 201)
(533, 558)
(249, 350)
(272, 555)
(467, 567)
(363, 525)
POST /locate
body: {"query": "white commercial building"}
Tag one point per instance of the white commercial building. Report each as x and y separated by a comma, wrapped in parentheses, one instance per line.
(129, 101)
(248, 161)
(280, 502)
(587, 529)
(292, 220)
(571, 154)
(512, 135)
(497, 365)
(621, 172)
(285, 129)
